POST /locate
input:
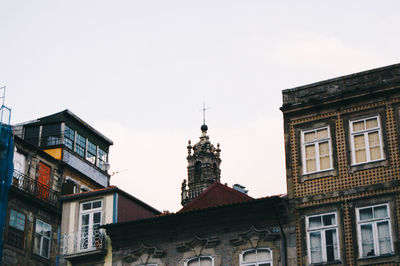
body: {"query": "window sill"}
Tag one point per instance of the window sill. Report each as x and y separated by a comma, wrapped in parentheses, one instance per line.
(40, 258)
(314, 175)
(326, 263)
(376, 257)
(368, 165)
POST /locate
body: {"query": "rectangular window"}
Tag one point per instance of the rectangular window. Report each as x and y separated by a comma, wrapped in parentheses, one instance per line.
(322, 238)
(316, 150)
(42, 239)
(69, 137)
(80, 145)
(374, 231)
(91, 152)
(51, 135)
(16, 229)
(90, 220)
(366, 140)
(102, 160)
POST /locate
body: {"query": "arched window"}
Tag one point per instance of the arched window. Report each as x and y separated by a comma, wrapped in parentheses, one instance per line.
(200, 261)
(256, 257)
(215, 168)
(197, 170)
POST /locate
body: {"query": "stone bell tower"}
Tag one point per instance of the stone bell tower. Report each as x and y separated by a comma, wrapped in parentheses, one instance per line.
(203, 167)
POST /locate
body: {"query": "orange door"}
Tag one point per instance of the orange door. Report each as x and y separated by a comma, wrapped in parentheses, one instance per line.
(43, 181)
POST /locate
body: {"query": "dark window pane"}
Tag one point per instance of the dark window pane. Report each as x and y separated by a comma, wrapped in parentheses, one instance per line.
(32, 135)
(329, 245)
(329, 219)
(96, 204)
(15, 237)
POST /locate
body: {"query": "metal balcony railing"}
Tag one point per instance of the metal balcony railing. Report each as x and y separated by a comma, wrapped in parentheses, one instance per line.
(82, 242)
(36, 189)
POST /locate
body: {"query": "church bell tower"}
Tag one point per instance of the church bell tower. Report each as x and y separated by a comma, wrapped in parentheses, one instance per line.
(203, 167)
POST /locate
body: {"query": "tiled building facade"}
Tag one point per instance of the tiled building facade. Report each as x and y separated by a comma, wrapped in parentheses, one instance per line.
(343, 168)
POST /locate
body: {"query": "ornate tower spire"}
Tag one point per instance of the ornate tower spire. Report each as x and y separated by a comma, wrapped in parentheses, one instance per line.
(203, 166)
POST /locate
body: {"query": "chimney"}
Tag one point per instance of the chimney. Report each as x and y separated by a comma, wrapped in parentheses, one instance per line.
(240, 188)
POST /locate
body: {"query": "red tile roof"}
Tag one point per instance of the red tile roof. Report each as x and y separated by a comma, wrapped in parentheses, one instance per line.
(216, 195)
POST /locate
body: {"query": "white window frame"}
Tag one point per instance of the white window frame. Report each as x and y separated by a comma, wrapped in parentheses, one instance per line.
(257, 262)
(322, 229)
(317, 157)
(89, 212)
(373, 222)
(41, 239)
(199, 257)
(365, 132)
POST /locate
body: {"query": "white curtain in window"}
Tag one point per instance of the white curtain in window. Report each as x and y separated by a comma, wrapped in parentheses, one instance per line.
(359, 145)
(358, 126)
(314, 221)
(380, 212)
(324, 156)
(309, 136)
(322, 134)
(374, 144)
(315, 247)
(367, 240)
(372, 123)
(384, 238)
(310, 158)
(19, 162)
(366, 214)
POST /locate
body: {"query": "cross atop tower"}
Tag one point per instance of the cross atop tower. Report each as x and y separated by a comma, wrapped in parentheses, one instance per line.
(204, 112)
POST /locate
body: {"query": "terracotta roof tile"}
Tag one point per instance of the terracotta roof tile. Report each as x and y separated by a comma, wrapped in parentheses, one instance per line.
(216, 195)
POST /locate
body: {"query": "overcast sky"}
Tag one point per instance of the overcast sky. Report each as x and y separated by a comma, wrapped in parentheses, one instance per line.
(139, 72)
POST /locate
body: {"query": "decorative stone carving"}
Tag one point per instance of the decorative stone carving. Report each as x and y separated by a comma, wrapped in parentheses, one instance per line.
(143, 254)
(254, 236)
(197, 245)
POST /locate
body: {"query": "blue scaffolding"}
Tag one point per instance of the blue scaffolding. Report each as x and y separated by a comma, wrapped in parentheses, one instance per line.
(6, 164)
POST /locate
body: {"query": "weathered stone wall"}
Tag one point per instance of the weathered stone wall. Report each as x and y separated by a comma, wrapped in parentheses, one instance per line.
(25, 256)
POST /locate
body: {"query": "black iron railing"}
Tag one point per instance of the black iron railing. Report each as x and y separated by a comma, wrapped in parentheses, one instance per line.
(35, 188)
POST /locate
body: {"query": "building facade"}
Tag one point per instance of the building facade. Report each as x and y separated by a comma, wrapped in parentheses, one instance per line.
(218, 225)
(83, 242)
(53, 155)
(343, 168)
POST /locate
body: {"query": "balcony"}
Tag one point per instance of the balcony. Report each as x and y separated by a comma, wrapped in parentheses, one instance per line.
(189, 194)
(78, 244)
(34, 188)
